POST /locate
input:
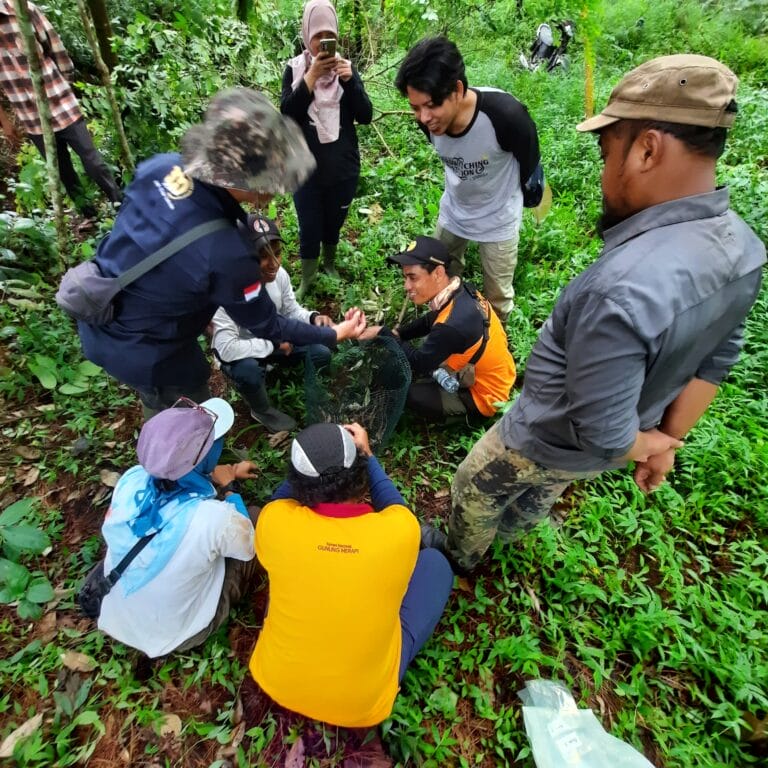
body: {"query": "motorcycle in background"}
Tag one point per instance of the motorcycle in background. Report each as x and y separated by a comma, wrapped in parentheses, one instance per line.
(544, 52)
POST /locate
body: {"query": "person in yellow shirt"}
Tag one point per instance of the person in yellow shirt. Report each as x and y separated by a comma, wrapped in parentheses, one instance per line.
(352, 599)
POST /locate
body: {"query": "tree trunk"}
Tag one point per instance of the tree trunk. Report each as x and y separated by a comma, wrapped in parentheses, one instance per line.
(356, 32)
(100, 16)
(106, 80)
(29, 44)
(591, 19)
(243, 10)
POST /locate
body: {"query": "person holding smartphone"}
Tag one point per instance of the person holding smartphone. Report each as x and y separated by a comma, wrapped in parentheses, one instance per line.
(325, 95)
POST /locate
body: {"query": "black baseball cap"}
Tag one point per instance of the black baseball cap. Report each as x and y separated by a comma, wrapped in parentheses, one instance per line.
(423, 250)
(260, 230)
(322, 447)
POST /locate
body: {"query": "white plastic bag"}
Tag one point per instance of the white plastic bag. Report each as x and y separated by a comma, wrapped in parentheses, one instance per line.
(561, 734)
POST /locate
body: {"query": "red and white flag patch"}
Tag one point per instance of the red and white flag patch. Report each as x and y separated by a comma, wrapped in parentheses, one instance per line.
(251, 292)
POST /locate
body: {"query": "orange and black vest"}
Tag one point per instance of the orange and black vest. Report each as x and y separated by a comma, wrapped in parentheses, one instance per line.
(494, 368)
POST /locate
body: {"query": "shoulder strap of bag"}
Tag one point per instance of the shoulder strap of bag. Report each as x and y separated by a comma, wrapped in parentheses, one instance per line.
(118, 570)
(159, 256)
(485, 310)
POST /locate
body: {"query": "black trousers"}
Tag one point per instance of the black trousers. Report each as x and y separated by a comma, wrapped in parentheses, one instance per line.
(77, 137)
(321, 211)
(429, 400)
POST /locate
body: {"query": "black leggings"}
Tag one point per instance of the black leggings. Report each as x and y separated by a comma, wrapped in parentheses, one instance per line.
(321, 211)
(428, 399)
(77, 137)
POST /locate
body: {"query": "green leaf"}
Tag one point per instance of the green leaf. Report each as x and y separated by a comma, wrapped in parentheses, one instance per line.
(16, 511)
(27, 538)
(45, 375)
(12, 572)
(40, 591)
(87, 368)
(72, 389)
(444, 700)
(28, 610)
(7, 595)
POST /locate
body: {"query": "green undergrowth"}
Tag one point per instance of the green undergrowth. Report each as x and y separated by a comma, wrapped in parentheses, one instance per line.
(652, 610)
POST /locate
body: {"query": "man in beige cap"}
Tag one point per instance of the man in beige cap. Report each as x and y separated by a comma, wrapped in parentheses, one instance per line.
(638, 343)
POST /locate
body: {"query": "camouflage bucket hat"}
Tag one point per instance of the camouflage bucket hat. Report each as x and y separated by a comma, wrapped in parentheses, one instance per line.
(245, 143)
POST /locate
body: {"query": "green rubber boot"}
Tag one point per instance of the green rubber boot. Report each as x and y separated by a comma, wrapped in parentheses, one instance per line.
(269, 417)
(309, 269)
(329, 259)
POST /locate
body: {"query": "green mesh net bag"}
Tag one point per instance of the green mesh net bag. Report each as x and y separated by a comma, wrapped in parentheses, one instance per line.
(366, 382)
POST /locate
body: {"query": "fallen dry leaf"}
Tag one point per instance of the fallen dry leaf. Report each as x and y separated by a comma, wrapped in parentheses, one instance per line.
(442, 493)
(170, 725)
(295, 756)
(463, 584)
(534, 600)
(237, 714)
(109, 477)
(30, 454)
(101, 494)
(375, 213)
(31, 477)
(47, 627)
(78, 662)
(119, 423)
(278, 439)
(24, 730)
(237, 736)
(125, 756)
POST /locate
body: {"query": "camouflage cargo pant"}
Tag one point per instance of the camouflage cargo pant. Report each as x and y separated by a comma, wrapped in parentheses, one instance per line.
(497, 490)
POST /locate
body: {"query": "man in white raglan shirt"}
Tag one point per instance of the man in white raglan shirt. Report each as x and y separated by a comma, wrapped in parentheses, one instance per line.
(243, 356)
(489, 148)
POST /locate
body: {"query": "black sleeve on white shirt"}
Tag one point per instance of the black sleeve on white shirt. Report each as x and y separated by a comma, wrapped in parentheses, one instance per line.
(515, 130)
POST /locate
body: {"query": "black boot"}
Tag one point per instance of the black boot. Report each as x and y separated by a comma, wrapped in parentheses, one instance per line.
(263, 412)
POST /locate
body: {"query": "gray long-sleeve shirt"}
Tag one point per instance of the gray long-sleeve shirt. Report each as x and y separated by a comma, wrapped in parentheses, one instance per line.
(665, 303)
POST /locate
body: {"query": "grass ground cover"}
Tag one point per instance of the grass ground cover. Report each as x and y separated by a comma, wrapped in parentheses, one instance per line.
(651, 609)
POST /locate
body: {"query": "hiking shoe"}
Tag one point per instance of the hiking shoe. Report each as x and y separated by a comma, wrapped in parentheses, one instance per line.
(433, 538)
(274, 420)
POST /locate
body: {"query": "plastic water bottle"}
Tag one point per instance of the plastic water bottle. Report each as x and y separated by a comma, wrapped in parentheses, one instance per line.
(446, 380)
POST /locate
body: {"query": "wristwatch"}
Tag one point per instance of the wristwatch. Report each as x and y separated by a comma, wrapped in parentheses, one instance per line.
(233, 487)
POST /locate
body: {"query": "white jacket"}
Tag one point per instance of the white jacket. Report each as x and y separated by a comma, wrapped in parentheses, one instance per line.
(232, 342)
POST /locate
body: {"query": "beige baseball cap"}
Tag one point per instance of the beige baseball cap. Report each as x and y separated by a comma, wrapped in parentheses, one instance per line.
(684, 88)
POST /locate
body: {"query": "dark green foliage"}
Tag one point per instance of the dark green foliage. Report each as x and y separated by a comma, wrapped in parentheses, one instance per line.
(651, 609)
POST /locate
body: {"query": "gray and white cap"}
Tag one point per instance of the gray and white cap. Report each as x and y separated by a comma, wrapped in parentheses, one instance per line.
(322, 447)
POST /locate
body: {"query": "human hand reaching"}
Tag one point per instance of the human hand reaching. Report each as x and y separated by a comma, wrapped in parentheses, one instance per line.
(352, 326)
(224, 474)
(359, 437)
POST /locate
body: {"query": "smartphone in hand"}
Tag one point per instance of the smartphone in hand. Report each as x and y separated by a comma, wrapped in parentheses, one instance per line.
(328, 44)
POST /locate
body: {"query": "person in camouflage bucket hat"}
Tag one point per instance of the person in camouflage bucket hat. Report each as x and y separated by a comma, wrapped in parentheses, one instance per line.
(243, 152)
(245, 143)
